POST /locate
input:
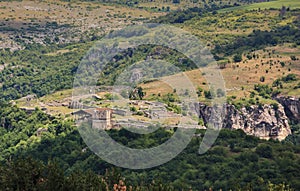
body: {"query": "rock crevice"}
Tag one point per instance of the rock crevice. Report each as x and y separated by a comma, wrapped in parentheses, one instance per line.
(291, 107)
(264, 121)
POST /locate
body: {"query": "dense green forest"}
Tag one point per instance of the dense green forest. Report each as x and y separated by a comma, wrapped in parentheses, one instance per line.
(236, 160)
(260, 39)
(184, 15)
(36, 71)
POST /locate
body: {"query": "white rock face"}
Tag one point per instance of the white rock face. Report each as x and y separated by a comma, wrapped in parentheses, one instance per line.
(264, 122)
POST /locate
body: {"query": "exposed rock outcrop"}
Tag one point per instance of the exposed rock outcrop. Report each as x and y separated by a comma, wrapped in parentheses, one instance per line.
(262, 121)
(291, 107)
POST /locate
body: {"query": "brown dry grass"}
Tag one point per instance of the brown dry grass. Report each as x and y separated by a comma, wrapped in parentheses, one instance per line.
(243, 75)
(156, 87)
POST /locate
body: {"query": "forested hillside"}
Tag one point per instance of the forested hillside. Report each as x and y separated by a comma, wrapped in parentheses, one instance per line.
(256, 46)
(39, 70)
(236, 161)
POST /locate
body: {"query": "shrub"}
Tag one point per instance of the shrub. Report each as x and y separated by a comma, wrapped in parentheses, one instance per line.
(237, 58)
(275, 106)
(220, 93)
(293, 58)
(209, 94)
(264, 150)
(289, 78)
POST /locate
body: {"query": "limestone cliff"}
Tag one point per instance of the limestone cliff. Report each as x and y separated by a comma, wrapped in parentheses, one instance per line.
(291, 107)
(262, 121)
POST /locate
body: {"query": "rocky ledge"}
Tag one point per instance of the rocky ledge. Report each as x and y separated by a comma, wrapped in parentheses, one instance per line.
(265, 121)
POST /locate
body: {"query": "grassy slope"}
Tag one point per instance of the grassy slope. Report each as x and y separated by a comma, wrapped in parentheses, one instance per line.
(225, 28)
(276, 4)
(240, 77)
